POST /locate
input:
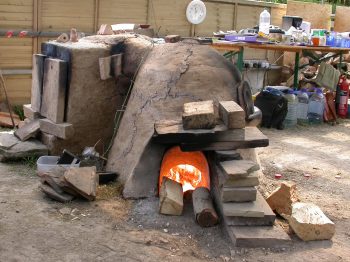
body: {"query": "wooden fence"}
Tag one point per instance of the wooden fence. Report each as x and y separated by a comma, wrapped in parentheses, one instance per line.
(165, 16)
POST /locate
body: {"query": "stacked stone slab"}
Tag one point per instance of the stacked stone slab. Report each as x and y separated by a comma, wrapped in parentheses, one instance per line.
(245, 214)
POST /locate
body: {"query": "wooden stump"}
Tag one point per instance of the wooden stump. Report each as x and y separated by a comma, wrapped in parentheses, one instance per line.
(204, 211)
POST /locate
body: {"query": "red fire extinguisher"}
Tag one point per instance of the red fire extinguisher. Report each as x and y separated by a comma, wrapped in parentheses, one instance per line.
(343, 96)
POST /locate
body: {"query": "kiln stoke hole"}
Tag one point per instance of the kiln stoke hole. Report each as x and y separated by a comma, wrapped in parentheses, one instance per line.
(190, 169)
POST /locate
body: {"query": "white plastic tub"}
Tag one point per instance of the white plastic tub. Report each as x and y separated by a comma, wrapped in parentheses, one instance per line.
(47, 163)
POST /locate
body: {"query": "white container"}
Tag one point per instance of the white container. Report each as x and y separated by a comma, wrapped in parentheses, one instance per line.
(47, 163)
(291, 117)
(264, 22)
(303, 106)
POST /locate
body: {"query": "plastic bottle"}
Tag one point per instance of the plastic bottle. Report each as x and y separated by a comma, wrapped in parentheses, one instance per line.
(291, 117)
(303, 106)
(316, 107)
(264, 22)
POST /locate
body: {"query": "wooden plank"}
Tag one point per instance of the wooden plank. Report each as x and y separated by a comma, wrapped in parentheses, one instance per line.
(249, 137)
(342, 19)
(216, 138)
(318, 15)
(37, 81)
(54, 90)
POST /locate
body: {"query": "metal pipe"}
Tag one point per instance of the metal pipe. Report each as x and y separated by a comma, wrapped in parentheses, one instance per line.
(9, 72)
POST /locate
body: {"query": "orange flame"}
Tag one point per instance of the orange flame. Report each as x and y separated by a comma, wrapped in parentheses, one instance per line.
(187, 168)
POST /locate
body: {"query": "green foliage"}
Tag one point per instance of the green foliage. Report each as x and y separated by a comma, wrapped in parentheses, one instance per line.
(19, 111)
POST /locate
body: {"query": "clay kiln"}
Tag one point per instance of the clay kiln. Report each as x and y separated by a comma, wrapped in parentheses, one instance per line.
(137, 116)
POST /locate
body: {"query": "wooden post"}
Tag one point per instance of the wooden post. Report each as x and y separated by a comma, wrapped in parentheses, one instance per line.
(96, 15)
(203, 209)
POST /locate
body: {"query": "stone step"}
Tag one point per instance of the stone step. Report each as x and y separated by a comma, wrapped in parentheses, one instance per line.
(238, 194)
(238, 167)
(258, 236)
(256, 208)
(267, 219)
(240, 181)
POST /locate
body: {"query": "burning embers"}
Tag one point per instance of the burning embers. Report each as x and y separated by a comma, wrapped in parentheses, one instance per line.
(181, 172)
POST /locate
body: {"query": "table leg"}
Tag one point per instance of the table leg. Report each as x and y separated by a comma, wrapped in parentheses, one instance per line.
(296, 71)
(240, 63)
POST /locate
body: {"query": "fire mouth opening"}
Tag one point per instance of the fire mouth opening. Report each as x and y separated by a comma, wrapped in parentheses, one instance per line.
(187, 168)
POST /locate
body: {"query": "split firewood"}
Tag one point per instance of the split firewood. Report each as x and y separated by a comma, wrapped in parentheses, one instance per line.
(203, 208)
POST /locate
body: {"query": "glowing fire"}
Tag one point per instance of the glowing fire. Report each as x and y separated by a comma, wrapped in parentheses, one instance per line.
(187, 168)
(187, 175)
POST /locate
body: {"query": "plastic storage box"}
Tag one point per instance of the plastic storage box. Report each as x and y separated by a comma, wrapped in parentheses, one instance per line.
(47, 163)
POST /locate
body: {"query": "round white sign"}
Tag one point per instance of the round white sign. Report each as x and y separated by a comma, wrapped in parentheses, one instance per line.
(196, 12)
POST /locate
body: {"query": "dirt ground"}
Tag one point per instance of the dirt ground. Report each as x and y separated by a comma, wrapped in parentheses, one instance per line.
(34, 228)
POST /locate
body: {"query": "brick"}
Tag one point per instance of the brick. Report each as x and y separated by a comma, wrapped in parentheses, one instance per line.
(199, 115)
(54, 90)
(63, 130)
(232, 114)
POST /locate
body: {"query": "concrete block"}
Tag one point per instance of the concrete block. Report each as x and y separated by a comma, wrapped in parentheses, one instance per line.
(63, 130)
(170, 197)
(199, 115)
(37, 81)
(54, 90)
(232, 114)
(30, 113)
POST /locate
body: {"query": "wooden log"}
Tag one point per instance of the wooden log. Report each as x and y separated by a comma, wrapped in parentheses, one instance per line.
(170, 198)
(203, 208)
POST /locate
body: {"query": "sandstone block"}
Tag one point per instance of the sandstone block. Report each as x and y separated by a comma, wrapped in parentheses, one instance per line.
(239, 167)
(170, 197)
(242, 181)
(28, 130)
(238, 194)
(199, 115)
(232, 114)
(30, 113)
(63, 130)
(83, 180)
(282, 198)
(259, 236)
(310, 223)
